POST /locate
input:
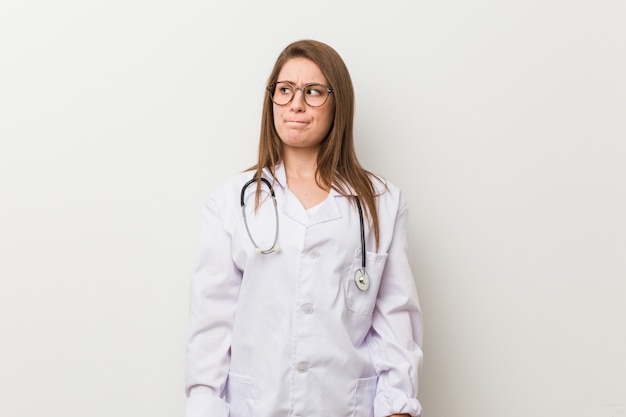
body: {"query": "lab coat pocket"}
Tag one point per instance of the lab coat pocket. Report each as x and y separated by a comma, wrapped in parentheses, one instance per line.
(364, 397)
(362, 298)
(240, 395)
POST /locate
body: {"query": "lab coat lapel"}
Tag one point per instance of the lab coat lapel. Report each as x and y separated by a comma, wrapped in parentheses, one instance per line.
(294, 209)
(328, 211)
(288, 203)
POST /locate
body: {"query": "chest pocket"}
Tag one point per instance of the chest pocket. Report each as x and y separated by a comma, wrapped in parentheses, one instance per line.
(363, 301)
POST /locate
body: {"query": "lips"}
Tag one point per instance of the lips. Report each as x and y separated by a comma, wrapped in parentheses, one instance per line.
(296, 123)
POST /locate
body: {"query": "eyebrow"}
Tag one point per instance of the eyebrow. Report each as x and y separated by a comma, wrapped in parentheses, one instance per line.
(309, 83)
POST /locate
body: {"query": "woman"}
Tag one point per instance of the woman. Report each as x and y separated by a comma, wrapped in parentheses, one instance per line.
(286, 318)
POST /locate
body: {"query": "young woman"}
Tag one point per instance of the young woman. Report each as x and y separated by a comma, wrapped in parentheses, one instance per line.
(303, 303)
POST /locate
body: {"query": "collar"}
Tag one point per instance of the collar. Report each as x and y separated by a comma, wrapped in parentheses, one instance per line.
(280, 179)
(292, 207)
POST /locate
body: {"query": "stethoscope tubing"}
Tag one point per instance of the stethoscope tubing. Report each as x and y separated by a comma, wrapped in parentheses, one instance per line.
(361, 278)
(363, 252)
(274, 247)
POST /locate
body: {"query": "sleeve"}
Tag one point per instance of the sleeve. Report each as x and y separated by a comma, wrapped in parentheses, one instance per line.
(214, 291)
(395, 338)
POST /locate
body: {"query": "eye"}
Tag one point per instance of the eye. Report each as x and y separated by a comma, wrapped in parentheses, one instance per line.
(284, 89)
(315, 90)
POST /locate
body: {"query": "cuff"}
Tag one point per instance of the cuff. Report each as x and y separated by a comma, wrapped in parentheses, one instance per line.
(387, 404)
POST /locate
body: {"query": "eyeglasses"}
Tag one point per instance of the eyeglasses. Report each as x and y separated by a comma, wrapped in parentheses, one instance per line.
(314, 94)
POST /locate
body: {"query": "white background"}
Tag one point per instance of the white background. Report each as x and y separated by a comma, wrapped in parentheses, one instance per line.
(503, 122)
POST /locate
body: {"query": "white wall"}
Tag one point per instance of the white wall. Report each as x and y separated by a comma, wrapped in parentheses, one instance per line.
(503, 122)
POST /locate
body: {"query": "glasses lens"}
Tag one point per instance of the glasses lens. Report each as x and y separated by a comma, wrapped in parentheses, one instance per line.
(283, 93)
(315, 94)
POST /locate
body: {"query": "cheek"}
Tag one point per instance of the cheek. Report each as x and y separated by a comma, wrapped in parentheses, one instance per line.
(276, 116)
(329, 118)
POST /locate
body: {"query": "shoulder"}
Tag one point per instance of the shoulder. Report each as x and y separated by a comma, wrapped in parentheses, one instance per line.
(388, 194)
(383, 188)
(229, 191)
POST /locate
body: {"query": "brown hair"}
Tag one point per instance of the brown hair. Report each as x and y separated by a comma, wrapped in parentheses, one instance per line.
(337, 163)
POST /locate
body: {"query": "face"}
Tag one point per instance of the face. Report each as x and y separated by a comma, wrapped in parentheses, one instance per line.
(299, 125)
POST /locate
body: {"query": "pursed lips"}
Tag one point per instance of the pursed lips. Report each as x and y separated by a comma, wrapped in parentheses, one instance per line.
(296, 122)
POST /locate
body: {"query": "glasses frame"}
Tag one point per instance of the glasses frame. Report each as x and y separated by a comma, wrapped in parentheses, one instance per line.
(272, 87)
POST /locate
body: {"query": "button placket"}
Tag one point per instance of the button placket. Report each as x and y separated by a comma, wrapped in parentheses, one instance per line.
(306, 309)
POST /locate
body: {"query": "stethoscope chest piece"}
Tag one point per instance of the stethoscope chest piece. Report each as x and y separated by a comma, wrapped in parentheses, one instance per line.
(361, 280)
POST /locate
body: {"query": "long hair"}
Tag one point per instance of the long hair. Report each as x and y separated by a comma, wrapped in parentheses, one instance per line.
(337, 163)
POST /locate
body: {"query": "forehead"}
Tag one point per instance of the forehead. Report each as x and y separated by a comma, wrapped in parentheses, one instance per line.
(301, 71)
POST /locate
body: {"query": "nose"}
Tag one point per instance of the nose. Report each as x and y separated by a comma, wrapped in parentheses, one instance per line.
(297, 103)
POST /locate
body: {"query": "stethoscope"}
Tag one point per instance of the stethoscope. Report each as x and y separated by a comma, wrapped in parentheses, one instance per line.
(361, 279)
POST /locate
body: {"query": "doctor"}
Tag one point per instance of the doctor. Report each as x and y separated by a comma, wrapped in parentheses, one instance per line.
(303, 302)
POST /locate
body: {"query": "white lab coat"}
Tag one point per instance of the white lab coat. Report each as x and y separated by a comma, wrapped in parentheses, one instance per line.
(289, 333)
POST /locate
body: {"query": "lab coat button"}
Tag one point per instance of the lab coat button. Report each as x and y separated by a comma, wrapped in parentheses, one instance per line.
(302, 367)
(307, 308)
(314, 254)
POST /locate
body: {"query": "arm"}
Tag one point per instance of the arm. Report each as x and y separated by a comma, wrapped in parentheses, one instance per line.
(396, 336)
(213, 300)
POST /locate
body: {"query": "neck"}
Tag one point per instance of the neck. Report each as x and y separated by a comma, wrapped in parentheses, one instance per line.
(301, 165)
(301, 172)
(301, 181)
